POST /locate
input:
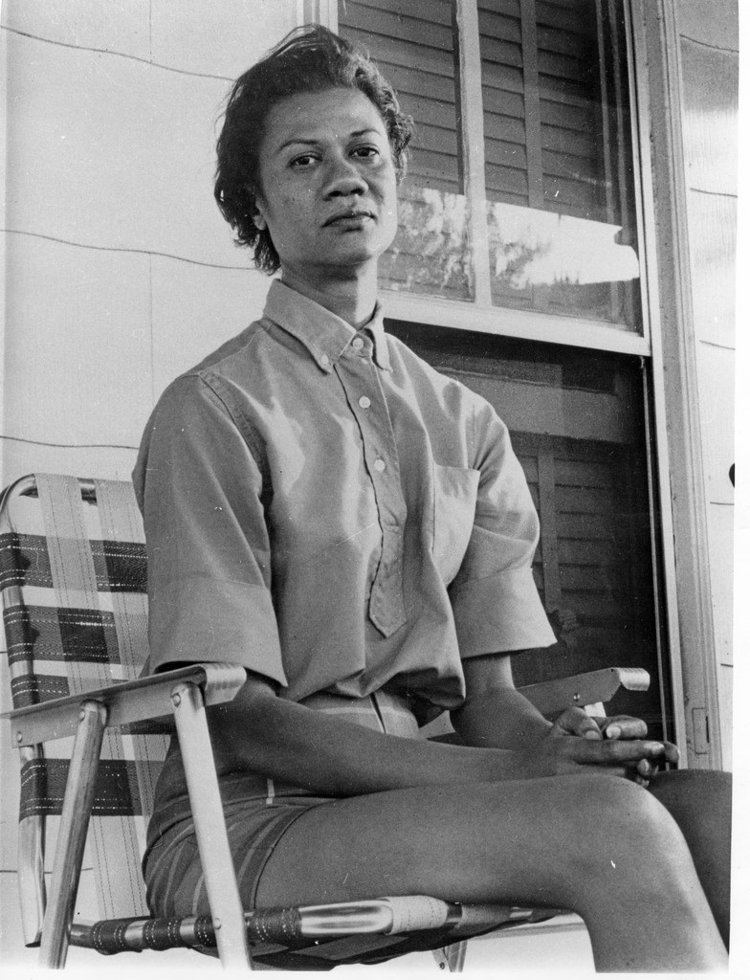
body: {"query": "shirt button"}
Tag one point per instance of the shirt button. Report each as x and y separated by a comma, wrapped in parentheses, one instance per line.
(364, 402)
(379, 464)
(358, 343)
(325, 360)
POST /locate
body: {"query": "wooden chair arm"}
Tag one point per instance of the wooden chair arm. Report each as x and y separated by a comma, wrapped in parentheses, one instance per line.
(125, 702)
(593, 687)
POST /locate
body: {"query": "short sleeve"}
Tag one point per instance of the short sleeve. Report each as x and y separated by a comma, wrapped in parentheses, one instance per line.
(209, 567)
(496, 605)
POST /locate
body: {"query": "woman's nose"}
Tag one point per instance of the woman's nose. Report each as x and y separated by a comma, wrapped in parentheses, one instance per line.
(343, 179)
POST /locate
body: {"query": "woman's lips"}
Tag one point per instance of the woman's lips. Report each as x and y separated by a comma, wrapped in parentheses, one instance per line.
(350, 217)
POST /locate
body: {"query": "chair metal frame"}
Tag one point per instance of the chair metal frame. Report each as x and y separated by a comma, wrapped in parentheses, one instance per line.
(184, 693)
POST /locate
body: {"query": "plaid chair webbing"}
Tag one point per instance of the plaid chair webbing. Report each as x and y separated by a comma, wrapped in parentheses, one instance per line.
(80, 622)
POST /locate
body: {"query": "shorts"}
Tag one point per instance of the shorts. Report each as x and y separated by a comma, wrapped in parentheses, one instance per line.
(172, 868)
(258, 812)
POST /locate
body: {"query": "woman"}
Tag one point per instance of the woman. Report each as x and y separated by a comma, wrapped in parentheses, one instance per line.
(353, 528)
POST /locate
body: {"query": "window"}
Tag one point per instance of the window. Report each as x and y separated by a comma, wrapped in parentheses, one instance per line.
(558, 165)
(521, 191)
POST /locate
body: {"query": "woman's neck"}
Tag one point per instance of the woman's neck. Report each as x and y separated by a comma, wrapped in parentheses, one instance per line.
(351, 298)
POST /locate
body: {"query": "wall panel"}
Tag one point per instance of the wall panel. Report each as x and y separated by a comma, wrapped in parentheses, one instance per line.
(117, 26)
(712, 219)
(716, 386)
(710, 79)
(107, 462)
(113, 152)
(726, 688)
(80, 370)
(221, 38)
(710, 21)
(196, 308)
(721, 532)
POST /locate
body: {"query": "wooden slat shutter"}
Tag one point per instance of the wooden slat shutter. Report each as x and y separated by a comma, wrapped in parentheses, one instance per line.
(552, 89)
(592, 565)
(412, 44)
(586, 473)
(543, 80)
(556, 139)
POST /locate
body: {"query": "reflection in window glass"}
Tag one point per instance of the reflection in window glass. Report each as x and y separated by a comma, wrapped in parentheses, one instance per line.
(413, 45)
(558, 160)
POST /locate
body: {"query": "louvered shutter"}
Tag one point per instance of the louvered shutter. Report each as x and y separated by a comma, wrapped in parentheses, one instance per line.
(584, 464)
(556, 139)
(412, 43)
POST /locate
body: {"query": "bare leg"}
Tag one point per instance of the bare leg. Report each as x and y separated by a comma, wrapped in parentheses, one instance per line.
(701, 803)
(598, 845)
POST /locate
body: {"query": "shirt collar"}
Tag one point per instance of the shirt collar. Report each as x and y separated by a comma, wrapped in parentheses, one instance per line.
(325, 335)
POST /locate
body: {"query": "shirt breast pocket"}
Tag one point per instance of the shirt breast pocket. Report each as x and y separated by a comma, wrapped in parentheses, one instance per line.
(455, 502)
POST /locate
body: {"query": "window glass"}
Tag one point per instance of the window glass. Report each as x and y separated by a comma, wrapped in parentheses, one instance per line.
(558, 160)
(577, 426)
(412, 44)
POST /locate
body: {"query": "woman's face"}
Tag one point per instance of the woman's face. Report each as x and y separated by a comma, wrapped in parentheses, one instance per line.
(328, 182)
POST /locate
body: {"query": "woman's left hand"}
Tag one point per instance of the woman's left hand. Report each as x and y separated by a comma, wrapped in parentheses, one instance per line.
(575, 721)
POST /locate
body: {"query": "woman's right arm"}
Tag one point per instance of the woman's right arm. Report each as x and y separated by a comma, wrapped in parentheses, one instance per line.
(263, 733)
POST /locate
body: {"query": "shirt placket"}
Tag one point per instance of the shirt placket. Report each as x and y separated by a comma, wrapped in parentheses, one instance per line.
(360, 379)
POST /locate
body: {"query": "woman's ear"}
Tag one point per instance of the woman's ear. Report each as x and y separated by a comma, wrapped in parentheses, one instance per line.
(259, 217)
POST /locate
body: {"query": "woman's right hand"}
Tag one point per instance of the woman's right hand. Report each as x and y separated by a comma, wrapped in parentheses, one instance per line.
(557, 753)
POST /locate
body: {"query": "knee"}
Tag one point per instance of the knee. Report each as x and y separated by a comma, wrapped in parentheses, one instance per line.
(628, 828)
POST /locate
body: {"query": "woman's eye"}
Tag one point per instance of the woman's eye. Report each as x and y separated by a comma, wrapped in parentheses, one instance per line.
(306, 160)
(366, 152)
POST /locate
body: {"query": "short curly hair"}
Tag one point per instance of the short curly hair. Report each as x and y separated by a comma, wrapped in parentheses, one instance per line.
(308, 59)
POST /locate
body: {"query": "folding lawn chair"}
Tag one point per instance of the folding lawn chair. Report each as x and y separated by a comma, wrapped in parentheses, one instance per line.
(73, 579)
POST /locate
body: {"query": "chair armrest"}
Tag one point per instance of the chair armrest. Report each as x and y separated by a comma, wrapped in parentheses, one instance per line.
(551, 697)
(126, 702)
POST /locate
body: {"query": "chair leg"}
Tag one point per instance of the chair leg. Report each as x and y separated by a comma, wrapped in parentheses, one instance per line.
(452, 956)
(32, 892)
(71, 839)
(210, 827)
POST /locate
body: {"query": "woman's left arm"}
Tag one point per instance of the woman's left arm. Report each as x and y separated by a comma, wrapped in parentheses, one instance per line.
(495, 715)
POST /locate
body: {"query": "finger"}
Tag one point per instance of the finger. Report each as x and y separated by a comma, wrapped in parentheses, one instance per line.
(625, 772)
(645, 768)
(575, 721)
(623, 726)
(613, 752)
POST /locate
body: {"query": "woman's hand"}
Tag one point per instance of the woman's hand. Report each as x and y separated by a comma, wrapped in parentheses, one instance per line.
(616, 746)
(575, 721)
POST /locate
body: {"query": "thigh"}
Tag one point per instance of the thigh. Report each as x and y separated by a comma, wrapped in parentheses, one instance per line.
(700, 801)
(527, 841)
(696, 796)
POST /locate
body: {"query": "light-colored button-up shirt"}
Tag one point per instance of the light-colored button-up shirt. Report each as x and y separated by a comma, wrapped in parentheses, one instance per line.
(327, 510)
